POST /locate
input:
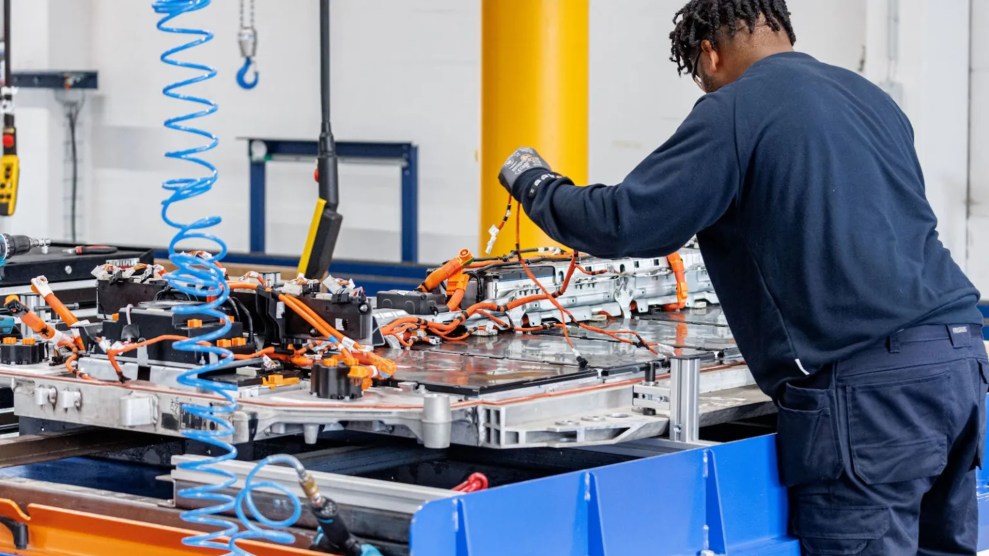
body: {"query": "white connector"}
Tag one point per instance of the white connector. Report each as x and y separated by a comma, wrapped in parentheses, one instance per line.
(41, 285)
(331, 284)
(493, 233)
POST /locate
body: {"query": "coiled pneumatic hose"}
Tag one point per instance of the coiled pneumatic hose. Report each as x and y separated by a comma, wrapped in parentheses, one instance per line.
(201, 277)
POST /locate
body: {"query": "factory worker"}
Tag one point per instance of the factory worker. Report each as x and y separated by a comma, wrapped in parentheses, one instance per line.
(803, 187)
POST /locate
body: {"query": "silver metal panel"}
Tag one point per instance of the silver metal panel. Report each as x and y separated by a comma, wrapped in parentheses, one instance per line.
(710, 315)
(679, 334)
(546, 348)
(344, 489)
(442, 366)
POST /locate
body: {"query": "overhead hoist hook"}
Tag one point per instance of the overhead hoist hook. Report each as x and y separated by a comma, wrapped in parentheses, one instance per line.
(248, 40)
(242, 74)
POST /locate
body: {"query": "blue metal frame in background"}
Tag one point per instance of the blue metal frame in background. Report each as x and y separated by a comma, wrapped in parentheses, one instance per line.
(406, 154)
(727, 499)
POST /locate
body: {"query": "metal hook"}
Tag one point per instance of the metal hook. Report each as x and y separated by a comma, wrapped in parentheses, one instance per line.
(242, 74)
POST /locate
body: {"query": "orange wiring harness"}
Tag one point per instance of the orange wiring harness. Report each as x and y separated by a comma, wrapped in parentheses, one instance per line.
(40, 286)
(409, 329)
(676, 265)
(385, 366)
(112, 354)
(406, 329)
(34, 322)
(351, 351)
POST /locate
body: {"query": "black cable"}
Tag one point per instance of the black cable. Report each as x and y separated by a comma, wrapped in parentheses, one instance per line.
(170, 291)
(266, 319)
(7, 78)
(245, 316)
(329, 188)
(72, 115)
(234, 308)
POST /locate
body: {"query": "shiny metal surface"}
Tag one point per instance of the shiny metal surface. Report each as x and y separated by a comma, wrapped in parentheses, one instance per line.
(482, 364)
(678, 334)
(438, 367)
(550, 348)
(711, 315)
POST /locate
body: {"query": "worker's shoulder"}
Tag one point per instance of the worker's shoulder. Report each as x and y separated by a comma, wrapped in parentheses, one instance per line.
(799, 86)
(718, 105)
(796, 72)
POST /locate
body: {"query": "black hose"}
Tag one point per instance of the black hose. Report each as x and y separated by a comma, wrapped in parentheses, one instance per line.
(245, 316)
(72, 115)
(7, 79)
(329, 188)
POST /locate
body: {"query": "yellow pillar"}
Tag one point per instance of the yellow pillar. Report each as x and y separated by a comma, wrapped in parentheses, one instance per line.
(534, 60)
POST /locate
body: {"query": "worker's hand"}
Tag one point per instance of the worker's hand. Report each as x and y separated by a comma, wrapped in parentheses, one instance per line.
(520, 162)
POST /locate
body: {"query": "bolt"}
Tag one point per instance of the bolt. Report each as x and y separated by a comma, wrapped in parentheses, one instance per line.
(68, 269)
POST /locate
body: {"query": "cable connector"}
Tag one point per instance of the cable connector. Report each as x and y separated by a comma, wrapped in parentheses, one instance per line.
(308, 484)
(449, 268)
(493, 232)
(580, 359)
(332, 284)
(40, 286)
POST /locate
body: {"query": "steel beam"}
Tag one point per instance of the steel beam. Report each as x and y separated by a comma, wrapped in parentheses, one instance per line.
(352, 491)
(37, 448)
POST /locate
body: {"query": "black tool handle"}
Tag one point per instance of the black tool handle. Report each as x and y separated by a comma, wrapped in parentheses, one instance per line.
(336, 537)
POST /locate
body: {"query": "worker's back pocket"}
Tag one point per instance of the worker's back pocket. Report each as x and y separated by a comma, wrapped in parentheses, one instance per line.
(839, 531)
(806, 440)
(898, 424)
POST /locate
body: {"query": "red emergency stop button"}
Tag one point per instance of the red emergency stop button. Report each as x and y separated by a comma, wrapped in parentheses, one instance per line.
(315, 175)
(8, 140)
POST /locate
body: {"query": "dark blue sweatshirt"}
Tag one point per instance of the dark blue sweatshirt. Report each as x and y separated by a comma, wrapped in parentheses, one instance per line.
(802, 184)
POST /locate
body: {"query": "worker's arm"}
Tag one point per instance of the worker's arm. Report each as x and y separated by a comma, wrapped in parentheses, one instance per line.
(681, 188)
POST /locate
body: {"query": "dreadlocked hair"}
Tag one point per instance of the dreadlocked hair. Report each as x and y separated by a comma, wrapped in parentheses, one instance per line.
(701, 20)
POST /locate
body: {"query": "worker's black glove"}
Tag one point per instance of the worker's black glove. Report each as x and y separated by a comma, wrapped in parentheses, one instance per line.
(520, 162)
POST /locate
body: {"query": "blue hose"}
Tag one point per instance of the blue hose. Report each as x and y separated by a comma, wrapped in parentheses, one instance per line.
(245, 503)
(198, 277)
(202, 277)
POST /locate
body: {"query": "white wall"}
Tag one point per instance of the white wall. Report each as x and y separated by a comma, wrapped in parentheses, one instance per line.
(978, 230)
(40, 118)
(408, 70)
(129, 112)
(637, 100)
(933, 68)
(391, 82)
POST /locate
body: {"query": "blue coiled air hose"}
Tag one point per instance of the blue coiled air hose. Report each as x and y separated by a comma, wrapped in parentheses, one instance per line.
(199, 276)
(202, 277)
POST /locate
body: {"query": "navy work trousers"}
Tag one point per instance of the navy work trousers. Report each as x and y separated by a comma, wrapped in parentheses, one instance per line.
(879, 451)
